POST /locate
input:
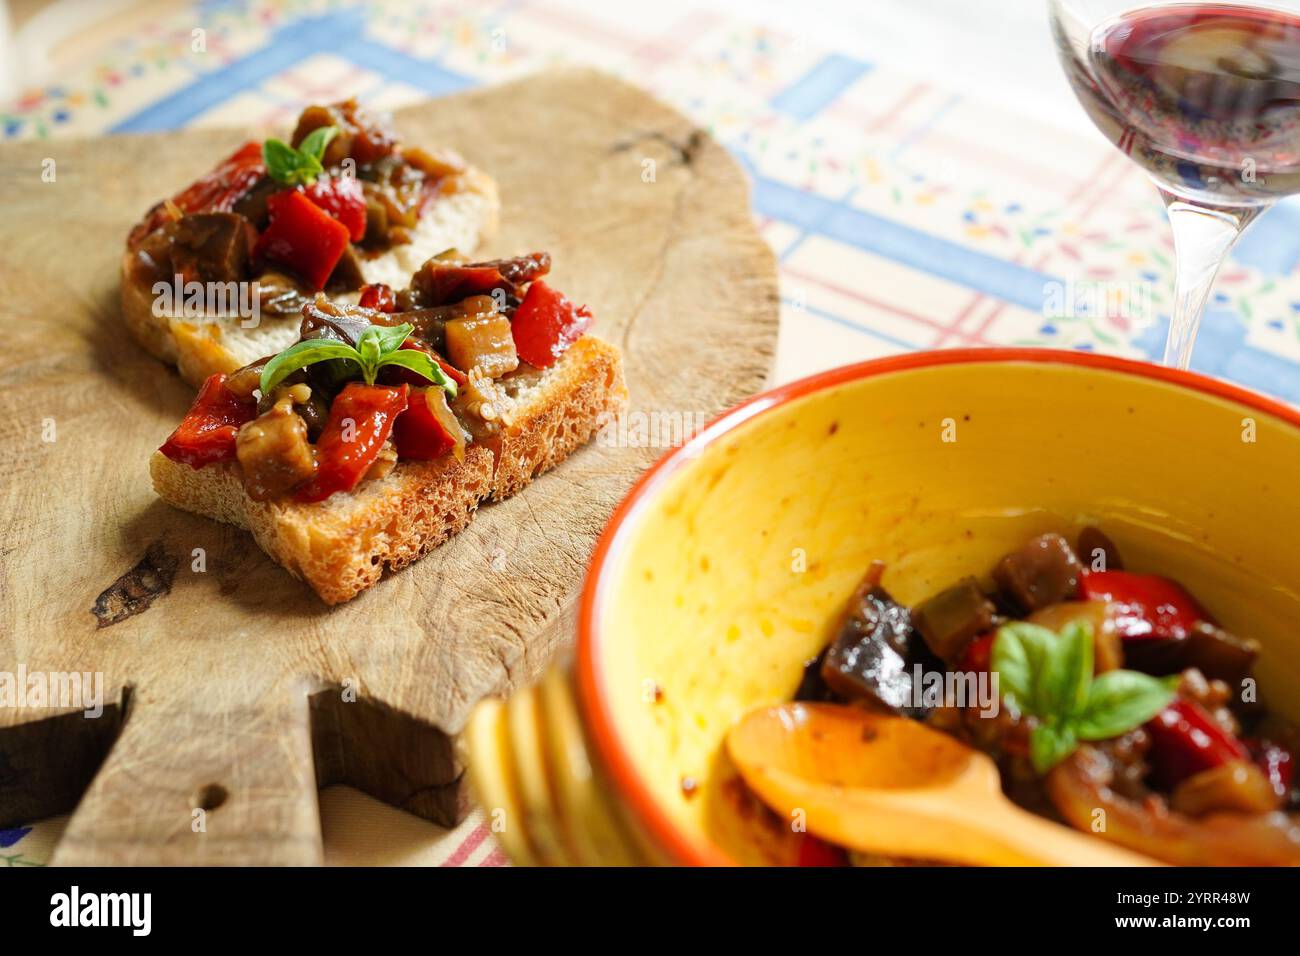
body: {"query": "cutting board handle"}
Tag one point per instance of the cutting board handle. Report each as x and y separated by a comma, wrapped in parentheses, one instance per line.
(186, 787)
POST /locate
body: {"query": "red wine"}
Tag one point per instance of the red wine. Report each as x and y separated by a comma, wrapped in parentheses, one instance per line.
(1205, 96)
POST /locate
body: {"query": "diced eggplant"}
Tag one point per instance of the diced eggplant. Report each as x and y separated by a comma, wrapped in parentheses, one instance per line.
(953, 618)
(252, 205)
(324, 319)
(376, 222)
(281, 295)
(1097, 552)
(812, 688)
(243, 382)
(483, 342)
(869, 658)
(441, 281)
(210, 246)
(435, 164)
(1043, 571)
(1216, 653)
(1219, 654)
(347, 275)
(364, 137)
(273, 451)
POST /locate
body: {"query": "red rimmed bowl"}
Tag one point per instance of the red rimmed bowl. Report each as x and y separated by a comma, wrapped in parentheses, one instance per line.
(726, 566)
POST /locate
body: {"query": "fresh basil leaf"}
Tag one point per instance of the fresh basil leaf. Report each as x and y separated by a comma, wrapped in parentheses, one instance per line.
(421, 364)
(1118, 701)
(281, 160)
(315, 142)
(389, 337)
(1051, 743)
(1020, 654)
(369, 349)
(308, 170)
(300, 355)
(1068, 672)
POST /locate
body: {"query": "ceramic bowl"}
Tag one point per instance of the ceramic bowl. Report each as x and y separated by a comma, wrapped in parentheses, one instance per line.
(727, 565)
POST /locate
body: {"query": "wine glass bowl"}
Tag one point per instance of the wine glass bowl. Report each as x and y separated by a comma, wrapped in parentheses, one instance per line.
(1205, 97)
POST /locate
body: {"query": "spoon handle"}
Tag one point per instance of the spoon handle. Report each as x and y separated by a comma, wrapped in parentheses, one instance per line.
(1027, 839)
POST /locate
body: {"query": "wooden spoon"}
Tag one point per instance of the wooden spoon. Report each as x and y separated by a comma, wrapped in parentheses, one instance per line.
(892, 786)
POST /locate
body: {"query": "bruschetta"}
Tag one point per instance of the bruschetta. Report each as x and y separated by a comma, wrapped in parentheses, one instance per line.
(218, 274)
(374, 437)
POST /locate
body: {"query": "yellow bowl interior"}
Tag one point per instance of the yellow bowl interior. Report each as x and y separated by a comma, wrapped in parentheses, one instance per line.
(732, 571)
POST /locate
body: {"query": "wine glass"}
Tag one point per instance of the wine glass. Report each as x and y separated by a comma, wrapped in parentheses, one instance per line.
(1206, 98)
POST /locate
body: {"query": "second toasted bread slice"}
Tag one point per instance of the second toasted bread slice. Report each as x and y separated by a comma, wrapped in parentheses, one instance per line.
(342, 545)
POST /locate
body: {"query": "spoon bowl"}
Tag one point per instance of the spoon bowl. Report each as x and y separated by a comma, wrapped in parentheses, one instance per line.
(894, 787)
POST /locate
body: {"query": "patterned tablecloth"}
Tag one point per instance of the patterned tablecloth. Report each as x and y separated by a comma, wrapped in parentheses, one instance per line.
(906, 215)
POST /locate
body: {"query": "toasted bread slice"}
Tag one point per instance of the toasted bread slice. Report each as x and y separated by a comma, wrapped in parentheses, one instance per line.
(464, 215)
(341, 546)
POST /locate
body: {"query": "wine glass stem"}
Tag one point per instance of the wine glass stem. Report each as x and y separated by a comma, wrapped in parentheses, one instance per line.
(1202, 238)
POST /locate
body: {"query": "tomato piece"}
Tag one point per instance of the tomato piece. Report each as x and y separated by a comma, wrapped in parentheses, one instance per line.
(359, 423)
(217, 191)
(207, 433)
(303, 237)
(546, 324)
(816, 852)
(378, 296)
(428, 429)
(1147, 606)
(342, 198)
(1186, 740)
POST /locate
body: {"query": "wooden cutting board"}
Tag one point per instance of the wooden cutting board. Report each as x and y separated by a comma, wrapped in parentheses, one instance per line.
(232, 693)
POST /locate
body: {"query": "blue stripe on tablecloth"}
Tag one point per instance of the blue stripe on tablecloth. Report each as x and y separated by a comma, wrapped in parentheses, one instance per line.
(816, 215)
(290, 44)
(342, 33)
(1221, 350)
(1272, 244)
(819, 86)
(400, 67)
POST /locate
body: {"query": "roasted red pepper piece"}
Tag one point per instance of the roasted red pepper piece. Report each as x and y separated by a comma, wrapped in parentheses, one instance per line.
(978, 653)
(1185, 740)
(815, 852)
(428, 429)
(217, 191)
(545, 324)
(359, 423)
(342, 198)
(1148, 605)
(303, 237)
(378, 296)
(207, 433)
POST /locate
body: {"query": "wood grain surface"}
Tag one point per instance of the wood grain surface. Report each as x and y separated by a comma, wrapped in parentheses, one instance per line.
(232, 693)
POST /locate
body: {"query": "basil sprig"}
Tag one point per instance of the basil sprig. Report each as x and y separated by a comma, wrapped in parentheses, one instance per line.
(1050, 676)
(377, 346)
(301, 166)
